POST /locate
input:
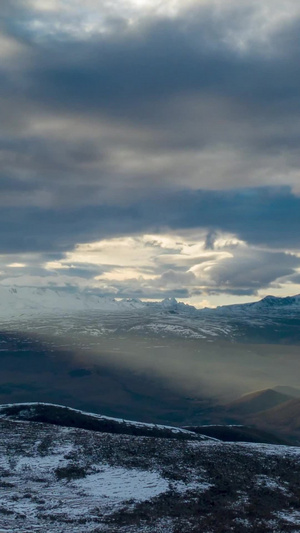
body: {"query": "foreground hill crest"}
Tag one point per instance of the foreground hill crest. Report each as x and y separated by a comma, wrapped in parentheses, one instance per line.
(78, 481)
(68, 417)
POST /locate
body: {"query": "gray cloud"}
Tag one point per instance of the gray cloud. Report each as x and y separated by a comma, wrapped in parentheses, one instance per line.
(190, 101)
(253, 269)
(173, 279)
(210, 240)
(265, 216)
(170, 123)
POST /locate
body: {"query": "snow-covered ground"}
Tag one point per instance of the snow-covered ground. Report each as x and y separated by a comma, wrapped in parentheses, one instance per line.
(65, 480)
(55, 476)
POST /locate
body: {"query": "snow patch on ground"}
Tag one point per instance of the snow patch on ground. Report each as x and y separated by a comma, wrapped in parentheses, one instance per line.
(293, 517)
(271, 483)
(117, 484)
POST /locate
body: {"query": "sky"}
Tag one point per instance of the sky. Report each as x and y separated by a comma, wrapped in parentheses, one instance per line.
(150, 149)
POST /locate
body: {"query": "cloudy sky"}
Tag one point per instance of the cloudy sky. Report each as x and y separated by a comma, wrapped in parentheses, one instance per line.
(151, 148)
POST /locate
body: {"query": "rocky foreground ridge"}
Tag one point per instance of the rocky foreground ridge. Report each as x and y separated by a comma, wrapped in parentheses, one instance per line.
(68, 479)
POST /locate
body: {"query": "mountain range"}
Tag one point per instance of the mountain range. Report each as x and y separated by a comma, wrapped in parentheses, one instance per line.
(23, 300)
(271, 320)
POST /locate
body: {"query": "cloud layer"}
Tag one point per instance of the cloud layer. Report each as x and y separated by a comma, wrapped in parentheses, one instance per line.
(135, 118)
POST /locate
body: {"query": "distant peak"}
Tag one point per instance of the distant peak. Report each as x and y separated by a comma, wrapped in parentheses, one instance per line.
(169, 301)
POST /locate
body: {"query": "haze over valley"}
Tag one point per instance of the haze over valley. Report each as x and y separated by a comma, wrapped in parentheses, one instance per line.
(158, 362)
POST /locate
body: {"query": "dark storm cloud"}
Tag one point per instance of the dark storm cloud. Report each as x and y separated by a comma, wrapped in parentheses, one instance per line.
(161, 58)
(264, 216)
(181, 80)
(36, 229)
(9, 184)
(125, 74)
(210, 240)
(253, 270)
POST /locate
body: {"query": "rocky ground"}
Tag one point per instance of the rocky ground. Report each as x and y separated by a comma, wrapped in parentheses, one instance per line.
(60, 479)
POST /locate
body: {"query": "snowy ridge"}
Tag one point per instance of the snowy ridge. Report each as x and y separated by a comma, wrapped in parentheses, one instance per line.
(62, 415)
(269, 304)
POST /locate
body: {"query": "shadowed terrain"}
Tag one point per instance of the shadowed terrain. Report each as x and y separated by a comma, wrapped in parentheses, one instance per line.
(169, 364)
(73, 480)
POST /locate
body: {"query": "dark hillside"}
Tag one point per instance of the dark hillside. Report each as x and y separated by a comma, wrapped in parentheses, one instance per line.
(239, 434)
(257, 401)
(72, 418)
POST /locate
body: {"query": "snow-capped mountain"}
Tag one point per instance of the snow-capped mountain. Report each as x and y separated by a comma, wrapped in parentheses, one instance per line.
(102, 315)
(269, 304)
(19, 300)
(16, 301)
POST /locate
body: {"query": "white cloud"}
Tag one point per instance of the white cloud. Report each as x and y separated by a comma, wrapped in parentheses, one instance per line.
(153, 265)
(17, 265)
(125, 274)
(147, 252)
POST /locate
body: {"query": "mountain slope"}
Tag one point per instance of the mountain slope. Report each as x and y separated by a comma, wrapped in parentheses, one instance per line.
(67, 417)
(239, 433)
(257, 401)
(269, 304)
(60, 479)
(266, 410)
(285, 417)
